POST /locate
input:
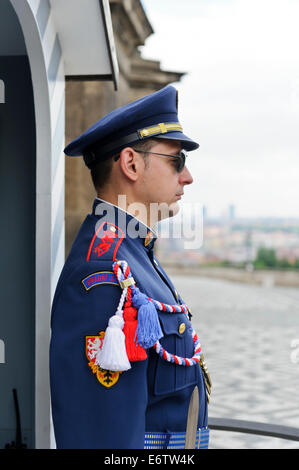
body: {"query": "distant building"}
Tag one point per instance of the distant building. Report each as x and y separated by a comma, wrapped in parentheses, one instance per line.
(231, 212)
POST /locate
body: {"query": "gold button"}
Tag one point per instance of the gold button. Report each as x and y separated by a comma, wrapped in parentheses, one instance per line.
(182, 328)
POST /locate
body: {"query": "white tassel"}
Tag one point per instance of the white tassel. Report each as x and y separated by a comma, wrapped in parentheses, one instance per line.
(113, 355)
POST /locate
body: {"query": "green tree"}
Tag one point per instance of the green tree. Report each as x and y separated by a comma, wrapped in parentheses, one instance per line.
(296, 263)
(284, 263)
(266, 258)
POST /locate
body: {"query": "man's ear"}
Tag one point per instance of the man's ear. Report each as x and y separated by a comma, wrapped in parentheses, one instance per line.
(131, 163)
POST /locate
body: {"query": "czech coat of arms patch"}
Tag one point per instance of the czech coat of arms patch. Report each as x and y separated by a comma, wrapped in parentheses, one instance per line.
(93, 344)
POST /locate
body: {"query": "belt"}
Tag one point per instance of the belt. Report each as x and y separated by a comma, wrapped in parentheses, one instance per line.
(175, 440)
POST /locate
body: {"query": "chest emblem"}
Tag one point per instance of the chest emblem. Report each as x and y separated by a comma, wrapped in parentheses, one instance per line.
(93, 344)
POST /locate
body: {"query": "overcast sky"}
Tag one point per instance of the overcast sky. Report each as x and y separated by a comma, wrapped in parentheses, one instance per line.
(240, 99)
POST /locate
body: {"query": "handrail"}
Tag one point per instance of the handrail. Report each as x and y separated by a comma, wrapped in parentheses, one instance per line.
(252, 427)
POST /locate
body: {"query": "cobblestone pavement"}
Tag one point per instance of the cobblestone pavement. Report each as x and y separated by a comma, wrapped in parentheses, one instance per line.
(248, 334)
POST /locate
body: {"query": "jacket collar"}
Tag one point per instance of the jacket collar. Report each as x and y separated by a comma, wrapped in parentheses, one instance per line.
(131, 226)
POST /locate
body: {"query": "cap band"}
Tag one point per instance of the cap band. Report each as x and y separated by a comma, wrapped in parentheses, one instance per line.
(97, 149)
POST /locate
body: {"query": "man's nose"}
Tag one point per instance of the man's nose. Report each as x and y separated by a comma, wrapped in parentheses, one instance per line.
(185, 176)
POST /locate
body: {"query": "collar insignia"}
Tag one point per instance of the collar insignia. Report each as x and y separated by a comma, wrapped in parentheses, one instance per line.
(148, 238)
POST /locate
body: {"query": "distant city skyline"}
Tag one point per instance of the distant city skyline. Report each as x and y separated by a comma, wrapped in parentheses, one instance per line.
(231, 211)
(227, 239)
(239, 99)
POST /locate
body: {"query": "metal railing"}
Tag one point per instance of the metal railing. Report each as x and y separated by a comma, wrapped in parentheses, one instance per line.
(252, 427)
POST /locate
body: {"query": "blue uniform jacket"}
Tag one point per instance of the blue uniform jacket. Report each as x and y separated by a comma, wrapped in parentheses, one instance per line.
(154, 394)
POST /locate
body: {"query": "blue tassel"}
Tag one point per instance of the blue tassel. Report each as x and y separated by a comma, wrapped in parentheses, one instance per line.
(148, 325)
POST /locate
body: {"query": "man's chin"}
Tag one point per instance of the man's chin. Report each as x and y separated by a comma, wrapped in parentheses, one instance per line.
(174, 209)
(161, 211)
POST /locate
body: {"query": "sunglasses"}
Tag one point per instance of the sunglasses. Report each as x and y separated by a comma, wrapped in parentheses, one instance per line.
(179, 160)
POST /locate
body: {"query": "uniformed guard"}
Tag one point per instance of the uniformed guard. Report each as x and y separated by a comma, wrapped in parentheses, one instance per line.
(124, 358)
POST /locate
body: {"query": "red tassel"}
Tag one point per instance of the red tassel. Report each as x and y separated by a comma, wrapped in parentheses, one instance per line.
(134, 351)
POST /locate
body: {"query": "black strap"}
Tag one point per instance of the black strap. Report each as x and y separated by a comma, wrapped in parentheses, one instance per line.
(102, 152)
(98, 149)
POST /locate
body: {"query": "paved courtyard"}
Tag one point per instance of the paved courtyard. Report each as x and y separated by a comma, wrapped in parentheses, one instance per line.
(249, 335)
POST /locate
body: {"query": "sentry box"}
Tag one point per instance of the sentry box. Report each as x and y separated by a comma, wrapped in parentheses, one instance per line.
(42, 43)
